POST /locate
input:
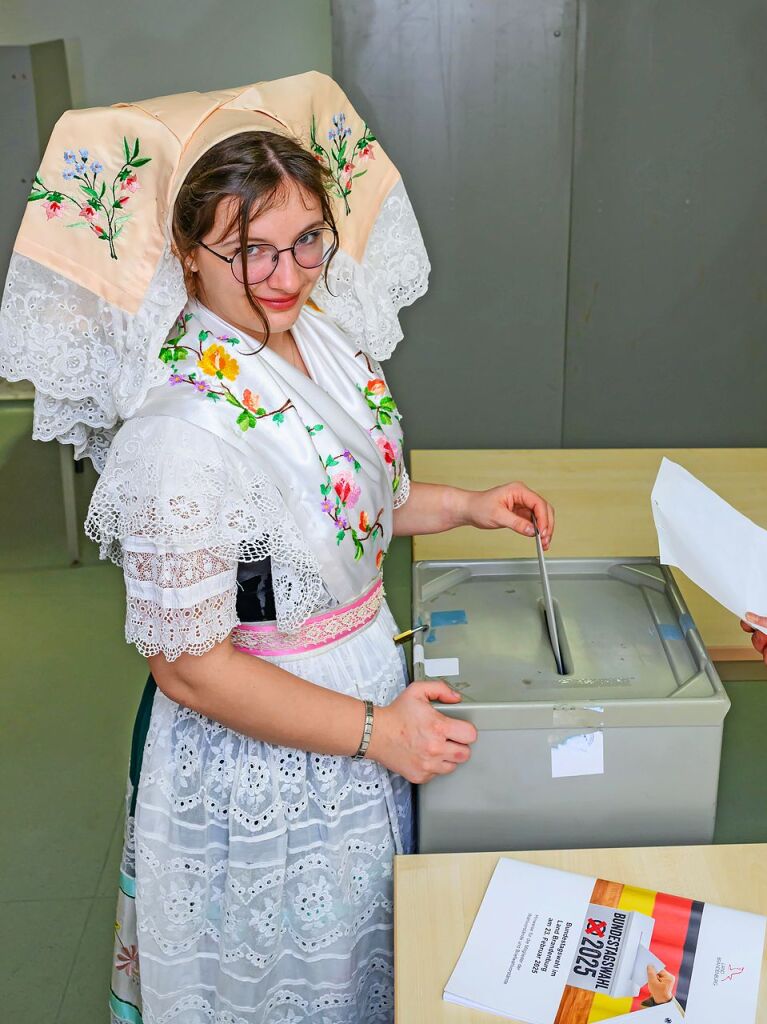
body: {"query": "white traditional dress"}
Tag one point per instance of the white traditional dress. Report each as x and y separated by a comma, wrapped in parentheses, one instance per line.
(256, 880)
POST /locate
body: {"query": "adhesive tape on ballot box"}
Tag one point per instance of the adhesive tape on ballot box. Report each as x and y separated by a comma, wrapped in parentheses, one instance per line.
(568, 716)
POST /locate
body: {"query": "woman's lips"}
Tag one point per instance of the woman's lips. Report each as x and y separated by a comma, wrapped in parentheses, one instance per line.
(279, 304)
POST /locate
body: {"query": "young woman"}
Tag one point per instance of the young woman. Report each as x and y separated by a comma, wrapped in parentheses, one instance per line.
(218, 359)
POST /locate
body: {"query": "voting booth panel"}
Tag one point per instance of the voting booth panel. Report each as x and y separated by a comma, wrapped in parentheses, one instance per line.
(620, 749)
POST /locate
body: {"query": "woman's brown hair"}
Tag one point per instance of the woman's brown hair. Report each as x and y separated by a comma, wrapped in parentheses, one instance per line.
(254, 167)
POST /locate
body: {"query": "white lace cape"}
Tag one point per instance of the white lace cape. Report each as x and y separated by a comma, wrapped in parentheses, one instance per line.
(92, 364)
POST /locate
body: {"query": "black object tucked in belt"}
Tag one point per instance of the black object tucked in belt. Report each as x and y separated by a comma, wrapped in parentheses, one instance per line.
(255, 596)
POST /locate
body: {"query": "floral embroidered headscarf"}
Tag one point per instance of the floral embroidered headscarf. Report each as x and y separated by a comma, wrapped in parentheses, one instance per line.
(93, 287)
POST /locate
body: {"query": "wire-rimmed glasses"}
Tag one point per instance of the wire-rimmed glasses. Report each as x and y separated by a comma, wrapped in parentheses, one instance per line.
(310, 250)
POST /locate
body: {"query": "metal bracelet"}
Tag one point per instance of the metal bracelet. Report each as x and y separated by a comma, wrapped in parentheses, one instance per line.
(367, 732)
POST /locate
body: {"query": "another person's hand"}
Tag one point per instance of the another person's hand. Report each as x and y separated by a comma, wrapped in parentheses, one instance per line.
(758, 639)
(512, 506)
(412, 738)
(660, 984)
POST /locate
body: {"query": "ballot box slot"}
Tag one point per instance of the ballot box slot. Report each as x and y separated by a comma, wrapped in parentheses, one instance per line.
(564, 644)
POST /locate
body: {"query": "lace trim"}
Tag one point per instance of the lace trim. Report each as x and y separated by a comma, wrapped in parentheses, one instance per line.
(403, 491)
(173, 568)
(91, 363)
(320, 631)
(155, 629)
(365, 299)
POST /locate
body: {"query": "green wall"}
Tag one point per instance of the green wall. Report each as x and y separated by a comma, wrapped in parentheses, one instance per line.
(127, 51)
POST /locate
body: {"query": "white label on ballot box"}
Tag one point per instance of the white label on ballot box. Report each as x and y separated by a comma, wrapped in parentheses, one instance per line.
(438, 667)
(582, 754)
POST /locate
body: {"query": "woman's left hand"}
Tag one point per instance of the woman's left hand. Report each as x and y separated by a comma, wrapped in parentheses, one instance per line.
(511, 506)
(758, 639)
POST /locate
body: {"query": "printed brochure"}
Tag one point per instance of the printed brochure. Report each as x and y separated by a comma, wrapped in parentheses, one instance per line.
(551, 947)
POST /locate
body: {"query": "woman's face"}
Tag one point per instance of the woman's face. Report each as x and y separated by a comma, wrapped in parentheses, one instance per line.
(285, 291)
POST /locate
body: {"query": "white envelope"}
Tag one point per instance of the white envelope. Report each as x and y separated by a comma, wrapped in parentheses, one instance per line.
(710, 541)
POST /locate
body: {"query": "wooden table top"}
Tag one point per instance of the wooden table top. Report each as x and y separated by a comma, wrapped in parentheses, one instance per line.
(436, 898)
(602, 503)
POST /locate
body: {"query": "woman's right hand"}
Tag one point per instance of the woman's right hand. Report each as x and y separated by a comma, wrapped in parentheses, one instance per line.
(759, 639)
(412, 738)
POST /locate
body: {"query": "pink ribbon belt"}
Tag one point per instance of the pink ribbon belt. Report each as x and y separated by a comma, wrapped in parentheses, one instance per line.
(263, 638)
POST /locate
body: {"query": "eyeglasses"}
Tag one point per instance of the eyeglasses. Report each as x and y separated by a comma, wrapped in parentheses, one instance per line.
(311, 250)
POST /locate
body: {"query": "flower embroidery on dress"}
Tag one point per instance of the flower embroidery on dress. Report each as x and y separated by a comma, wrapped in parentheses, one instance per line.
(101, 206)
(340, 494)
(340, 491)
(215, 362)
(313, 903)
(267, 920)
(127, 957)
(384, 408)
(380, 402)
(342, 163)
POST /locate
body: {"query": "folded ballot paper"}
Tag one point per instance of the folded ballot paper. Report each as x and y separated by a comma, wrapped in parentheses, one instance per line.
(549, 946)
(711, 542)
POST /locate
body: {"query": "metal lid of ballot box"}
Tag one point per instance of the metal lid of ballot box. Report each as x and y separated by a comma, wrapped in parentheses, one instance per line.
(632, 653)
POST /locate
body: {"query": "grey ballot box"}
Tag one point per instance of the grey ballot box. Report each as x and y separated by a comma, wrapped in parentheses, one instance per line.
(638, 686)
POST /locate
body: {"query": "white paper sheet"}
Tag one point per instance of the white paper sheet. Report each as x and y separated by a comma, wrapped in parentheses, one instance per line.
(721, 550)
(497, 970)
(583, 754)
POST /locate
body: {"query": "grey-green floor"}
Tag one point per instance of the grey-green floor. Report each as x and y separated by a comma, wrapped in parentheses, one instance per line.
(70, 687)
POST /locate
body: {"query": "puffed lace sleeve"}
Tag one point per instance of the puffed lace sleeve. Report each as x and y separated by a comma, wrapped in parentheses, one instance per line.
(178, 509)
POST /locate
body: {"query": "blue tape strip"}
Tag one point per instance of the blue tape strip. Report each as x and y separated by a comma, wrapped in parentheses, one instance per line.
(685, 621)
(670, 632)
(455, 618)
